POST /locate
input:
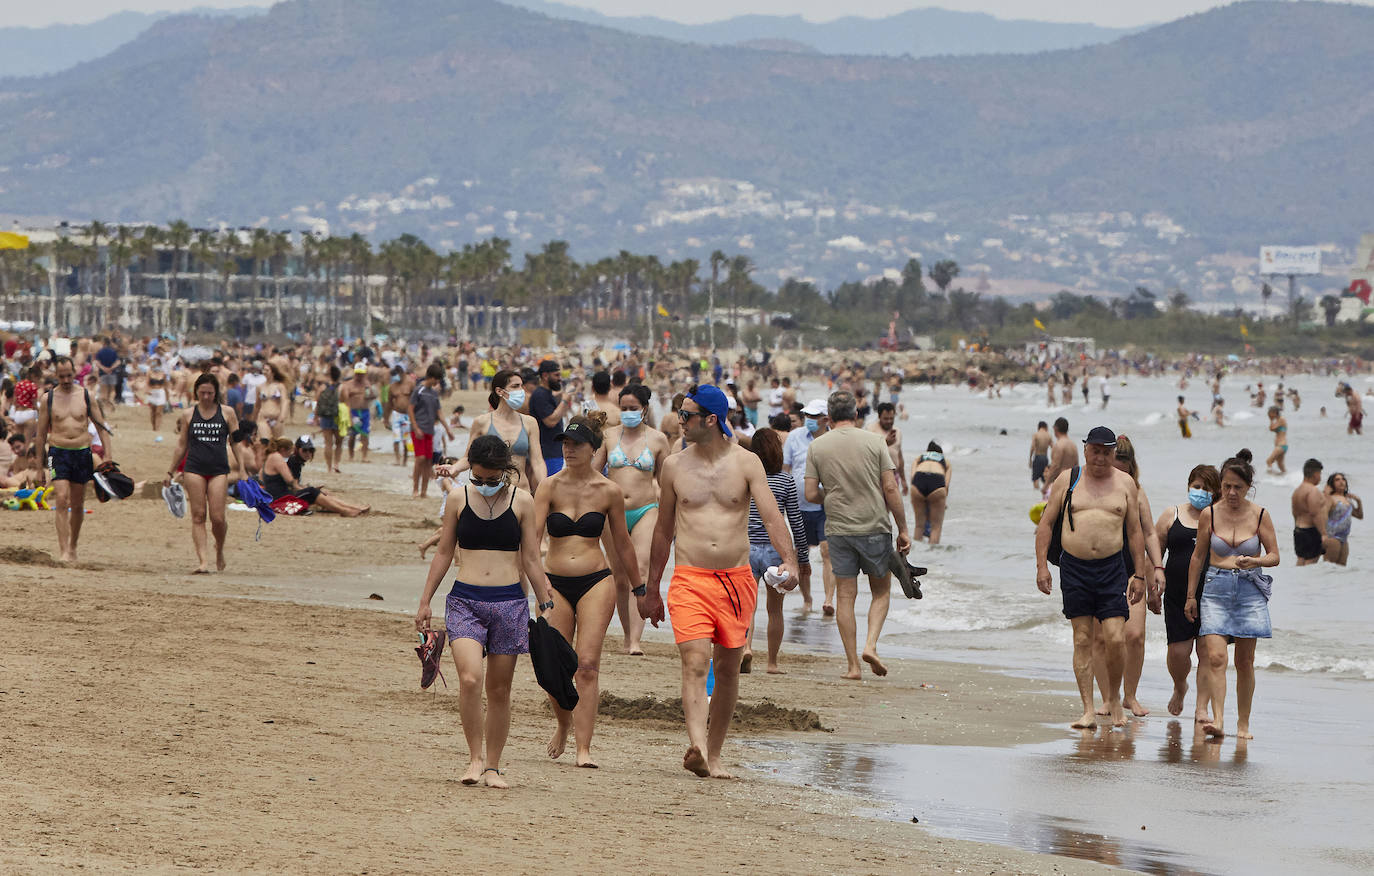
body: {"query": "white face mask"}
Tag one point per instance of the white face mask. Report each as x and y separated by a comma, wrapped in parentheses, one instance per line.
(488, 490)
(516, 399)
(632, 419)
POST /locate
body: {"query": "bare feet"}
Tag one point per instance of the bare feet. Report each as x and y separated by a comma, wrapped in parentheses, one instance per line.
(491, 777)
(560, 737)
(693, 762)
(719, 772)
(636, 651)
(1087, 722)
(473, 774)
(853, 675)
(1102, 711)
(1213, 729)
(878, 668)
(423, 548)
(806, 607)
(585, 761)
(67, 558)
(775, 669)
(1136, 708)
(219, 558)
(746, 663)
(1243, 732)
(1176, 701)
(1202, 718)
(828, 610)
(200, 570)
(1118, 714)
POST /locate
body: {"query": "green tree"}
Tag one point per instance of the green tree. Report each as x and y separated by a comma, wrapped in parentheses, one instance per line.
(943, 273)
(1331, 306)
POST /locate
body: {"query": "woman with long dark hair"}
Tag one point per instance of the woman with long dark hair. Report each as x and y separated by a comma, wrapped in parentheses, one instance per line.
(1235, 541)
(203, 446)
(491, 525)
(1176, 530)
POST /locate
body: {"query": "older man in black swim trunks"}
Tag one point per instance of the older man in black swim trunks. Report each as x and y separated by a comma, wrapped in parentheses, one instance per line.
(1101, 521)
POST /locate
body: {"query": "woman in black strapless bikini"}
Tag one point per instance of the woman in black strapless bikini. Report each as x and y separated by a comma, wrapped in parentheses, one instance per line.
(584, 513)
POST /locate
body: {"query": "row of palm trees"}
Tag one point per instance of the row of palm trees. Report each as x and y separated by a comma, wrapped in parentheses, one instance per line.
(279, 282)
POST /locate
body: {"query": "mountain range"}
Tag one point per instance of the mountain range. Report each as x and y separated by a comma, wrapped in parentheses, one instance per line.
(455, 119)
(38, 51)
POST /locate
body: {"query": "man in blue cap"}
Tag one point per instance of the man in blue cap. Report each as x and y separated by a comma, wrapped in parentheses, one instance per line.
(711, 598)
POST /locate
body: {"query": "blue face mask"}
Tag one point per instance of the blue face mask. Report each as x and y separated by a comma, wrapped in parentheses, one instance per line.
(489, 490)
(516, 399)
(631, 419)
(812, 426)
(1199, 499)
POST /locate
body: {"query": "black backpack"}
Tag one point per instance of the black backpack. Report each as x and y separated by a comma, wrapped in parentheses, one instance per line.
(328, 405)
(1066, 509)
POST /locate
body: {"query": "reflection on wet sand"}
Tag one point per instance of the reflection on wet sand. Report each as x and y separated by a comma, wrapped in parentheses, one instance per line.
(1202, 749)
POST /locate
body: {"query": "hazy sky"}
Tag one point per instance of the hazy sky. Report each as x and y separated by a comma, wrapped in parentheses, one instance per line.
(1118, 13)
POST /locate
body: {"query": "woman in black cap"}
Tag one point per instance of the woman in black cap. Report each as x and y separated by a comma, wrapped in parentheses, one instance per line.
(584, 514)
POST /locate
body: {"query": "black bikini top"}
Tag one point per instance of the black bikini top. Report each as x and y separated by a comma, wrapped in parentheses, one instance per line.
(589, 525)
(500, 533)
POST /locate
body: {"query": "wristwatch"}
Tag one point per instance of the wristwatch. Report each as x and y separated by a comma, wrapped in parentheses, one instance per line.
(640, 590)
(546, 606)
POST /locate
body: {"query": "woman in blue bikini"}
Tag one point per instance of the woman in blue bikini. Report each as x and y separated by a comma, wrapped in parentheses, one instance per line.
(631, 457)
(1341, 506)
(1279, 426)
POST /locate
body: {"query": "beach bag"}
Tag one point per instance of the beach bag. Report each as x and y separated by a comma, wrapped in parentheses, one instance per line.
(1057, 531)
(111, 483)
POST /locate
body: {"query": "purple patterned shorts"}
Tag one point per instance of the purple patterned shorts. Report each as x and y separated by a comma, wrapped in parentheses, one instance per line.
(497, 618)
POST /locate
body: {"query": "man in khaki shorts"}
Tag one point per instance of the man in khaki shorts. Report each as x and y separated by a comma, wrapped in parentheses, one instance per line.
(850, 472)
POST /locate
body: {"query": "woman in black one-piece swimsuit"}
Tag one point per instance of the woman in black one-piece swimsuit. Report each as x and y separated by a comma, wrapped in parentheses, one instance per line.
(1177, 531)
(203, 448)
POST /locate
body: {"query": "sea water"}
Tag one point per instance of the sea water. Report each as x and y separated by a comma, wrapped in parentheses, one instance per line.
(1294, 799)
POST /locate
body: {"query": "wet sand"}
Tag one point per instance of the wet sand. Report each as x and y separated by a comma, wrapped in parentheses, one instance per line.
(157, 720)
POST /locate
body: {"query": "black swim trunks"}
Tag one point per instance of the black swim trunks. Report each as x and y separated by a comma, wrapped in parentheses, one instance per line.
(74, 464)
(1093, 588)
(1039, 463)
(1307, 543)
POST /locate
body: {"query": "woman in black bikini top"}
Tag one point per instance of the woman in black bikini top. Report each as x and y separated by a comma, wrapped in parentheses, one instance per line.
(575, 506)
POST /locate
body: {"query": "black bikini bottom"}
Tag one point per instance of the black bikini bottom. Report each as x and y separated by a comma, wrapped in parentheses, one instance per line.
(574, 587)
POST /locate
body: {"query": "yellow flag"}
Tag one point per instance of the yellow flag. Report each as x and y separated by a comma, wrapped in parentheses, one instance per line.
(662, 311)
(1244, 332)
(1040, 325)
(10, 240)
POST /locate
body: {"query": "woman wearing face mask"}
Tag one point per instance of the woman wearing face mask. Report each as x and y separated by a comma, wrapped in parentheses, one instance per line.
(584, 514)
(491, 525)
(631, 456)
(519, 431)
(1176, 530)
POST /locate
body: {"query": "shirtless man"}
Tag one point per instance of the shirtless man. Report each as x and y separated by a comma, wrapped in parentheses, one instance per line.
(65, 415)
(1064, 456)
(601, 397)
(1309, 509)
(354, 394)
(887, 428)
(707, 488)
(789, 394)
(1039, 454)
(1355, 408)
(402, 385)
(1092, 570)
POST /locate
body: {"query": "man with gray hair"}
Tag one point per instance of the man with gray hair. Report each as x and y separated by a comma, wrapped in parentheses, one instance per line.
(850, 472)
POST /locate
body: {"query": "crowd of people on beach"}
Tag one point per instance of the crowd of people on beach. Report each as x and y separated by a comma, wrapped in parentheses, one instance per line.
(586, 472)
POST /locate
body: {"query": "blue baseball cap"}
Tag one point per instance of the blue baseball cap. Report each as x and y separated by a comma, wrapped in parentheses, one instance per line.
(713, 401)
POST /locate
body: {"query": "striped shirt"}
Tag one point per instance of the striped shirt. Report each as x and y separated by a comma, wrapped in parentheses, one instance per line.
(785, 491)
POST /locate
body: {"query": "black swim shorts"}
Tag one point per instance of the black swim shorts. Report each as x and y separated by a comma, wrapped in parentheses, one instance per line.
(1039, 463)
(1307, 543)
(1093, 588)
(71, 464)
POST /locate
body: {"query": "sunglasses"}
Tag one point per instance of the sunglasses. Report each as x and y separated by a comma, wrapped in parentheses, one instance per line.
(685, 415)
(486, 482)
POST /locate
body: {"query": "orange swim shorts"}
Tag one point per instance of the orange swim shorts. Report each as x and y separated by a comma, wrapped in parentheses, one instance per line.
(715, 604)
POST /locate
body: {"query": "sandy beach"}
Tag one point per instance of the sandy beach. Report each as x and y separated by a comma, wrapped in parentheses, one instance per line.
(160, 721)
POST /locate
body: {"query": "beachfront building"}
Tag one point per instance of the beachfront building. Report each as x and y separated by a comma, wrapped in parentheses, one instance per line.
(248, 283)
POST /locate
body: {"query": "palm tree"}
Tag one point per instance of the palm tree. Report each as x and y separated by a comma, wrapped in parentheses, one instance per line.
(145, 248)
(1266, 292)
(1331, 306)
(740, 269)
(718, 258)
(944, 272)
(178, 238)
(121, 250)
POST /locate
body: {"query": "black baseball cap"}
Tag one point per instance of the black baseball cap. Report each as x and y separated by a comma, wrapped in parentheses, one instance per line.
(1101, 435)
(548, 366)
(579, 432)
(305, 443)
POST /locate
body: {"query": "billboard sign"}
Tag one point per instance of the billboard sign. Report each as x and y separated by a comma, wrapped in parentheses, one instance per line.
(1298, 260)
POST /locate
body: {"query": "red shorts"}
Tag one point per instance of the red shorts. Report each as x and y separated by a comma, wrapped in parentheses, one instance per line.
(715, 604)
(423, 444)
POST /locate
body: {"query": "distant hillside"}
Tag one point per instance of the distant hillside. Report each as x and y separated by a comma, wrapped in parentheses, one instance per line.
(457, 119)
(917, 32)
(38, 51)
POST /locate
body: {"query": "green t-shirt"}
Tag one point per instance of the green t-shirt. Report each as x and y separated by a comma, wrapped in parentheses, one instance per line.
(850, 464)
